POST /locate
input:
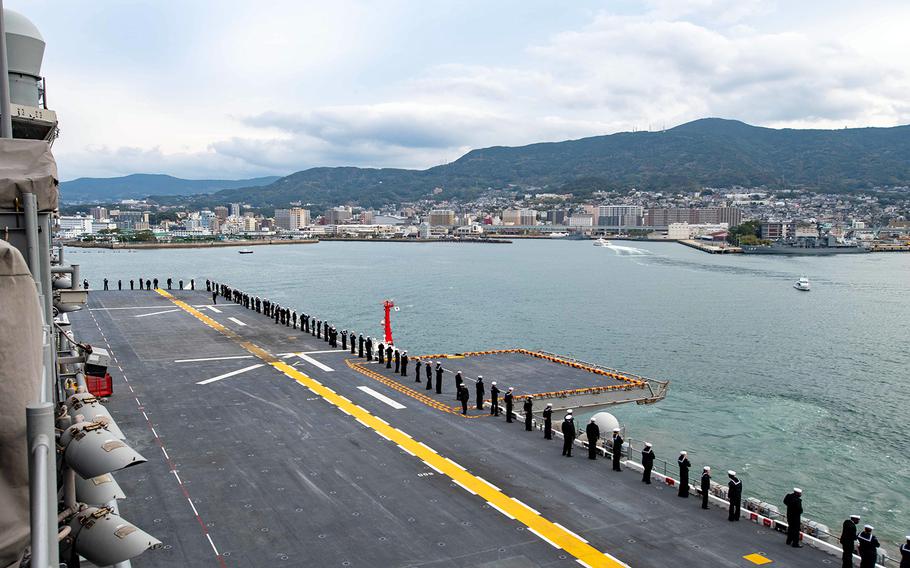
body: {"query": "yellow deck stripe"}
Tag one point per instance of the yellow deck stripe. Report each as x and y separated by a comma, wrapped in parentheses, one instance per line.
(551, 532)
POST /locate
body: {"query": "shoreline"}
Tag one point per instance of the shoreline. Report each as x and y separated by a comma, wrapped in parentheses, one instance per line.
(210, 244)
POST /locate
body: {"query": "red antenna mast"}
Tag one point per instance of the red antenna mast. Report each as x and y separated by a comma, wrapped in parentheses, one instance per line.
(387, 322)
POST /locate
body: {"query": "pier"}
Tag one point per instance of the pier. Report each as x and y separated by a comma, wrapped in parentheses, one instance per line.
(267, 447)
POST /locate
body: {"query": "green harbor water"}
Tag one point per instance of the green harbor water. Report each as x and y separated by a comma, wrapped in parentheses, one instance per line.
(789, 388)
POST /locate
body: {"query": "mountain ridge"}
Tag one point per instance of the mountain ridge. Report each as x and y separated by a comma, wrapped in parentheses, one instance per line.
(138, 186)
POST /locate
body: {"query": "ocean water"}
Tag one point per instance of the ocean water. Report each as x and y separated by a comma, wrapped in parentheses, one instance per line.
(789, 388)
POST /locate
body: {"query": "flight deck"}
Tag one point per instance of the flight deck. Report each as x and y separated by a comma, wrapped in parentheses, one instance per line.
(268, 447)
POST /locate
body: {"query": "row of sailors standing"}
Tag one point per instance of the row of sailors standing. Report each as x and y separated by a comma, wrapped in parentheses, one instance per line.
(864, 543)
(144, 284)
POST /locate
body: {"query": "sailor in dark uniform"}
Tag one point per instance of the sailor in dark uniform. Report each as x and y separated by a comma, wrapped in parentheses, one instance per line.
(214, 295)
(868, 547)
(397, 361)
(458, 381)
(155, 281)
(463, 396)
(120, 284)
(616, 447)
(734, 495)
(684, 465)
(369, 348)
(131, 284)
(388, 356)
(344, 339)
(208, 285)
(647, 460)
(548, 422)
(794, 503)
(528, 408)
(148, 284)
(438, 377)
(417, 365)
(404, 363)
(509, 398)
(705, 486)
(429, 373)
(294, 319)
(568, 434)
(905, 553)
(479, 389)
(360, 350)
(381, 352)
(192, 284)
(105, 284)
(848, 541)
(181, 285)
(494, 399)
(593, 432)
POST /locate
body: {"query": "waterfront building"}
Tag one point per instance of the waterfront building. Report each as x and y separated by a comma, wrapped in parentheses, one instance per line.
(221, 212)
(442, 218)
(235, 210)
(619, 215)
(73, 226)
(292, 219)
(581, 220)
(663, 216)
(337, 215)
(99, 213)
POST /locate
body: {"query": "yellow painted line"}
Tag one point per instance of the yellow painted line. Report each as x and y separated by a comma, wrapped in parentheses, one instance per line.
(545, 529)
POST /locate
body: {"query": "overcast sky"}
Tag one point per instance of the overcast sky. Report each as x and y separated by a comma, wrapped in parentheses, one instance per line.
(232, 89)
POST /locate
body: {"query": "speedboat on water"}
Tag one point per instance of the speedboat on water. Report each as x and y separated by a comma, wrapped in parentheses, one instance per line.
(245, 251)
(802, 284)
(602, 242)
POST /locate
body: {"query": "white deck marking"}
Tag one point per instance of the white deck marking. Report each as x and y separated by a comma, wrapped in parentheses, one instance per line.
(500, 510)
(237, 321)
(571, 533)
(213, 359)
(383, 398)
(314, 362)
(543, 538)
(231, 374)
(157, 313)
(214, 309)
(126, 308)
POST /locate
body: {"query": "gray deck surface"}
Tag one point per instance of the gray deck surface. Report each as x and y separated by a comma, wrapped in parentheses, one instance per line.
(280, 477)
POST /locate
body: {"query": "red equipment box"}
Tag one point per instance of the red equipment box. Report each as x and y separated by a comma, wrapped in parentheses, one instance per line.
(100, 386)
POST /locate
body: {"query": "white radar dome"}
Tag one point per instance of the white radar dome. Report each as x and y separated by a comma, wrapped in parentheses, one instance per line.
(606, 422)
(25, 51)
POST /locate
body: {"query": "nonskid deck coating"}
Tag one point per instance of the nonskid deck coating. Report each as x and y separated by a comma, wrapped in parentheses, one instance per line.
(277, 474)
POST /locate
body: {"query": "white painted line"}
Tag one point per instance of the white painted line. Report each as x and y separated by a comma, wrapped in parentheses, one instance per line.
(500, 510)
(426, 447)
(214, 309)
(583, 563)
(288, 355)
(237, 321)
(180, 481)
(208, 536)
(456, 464)
(543, 538)
(433, 467)
(213, 359)
(195, 512)
(314, 362)
(126, 308)
(382, 398)
(326, 351)
(139, 403)
(381, 420)
(362, 422)
(383, 435)
(526, 506)
(406, 450)
(154, 432)
(231, 374)
(458, 483)
(488, 483)
(571, 533)
(157, 313)
(165, 453)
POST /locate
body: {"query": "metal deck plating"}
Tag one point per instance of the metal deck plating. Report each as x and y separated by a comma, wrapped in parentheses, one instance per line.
(267, 448)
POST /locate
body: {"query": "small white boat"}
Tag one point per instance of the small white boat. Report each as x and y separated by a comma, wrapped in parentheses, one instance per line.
(602, 242)
(245, 251)
(802, 284)
(558, 235)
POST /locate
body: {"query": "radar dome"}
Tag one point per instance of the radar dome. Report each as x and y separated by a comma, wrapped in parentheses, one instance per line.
(25, 51)
(606, 422)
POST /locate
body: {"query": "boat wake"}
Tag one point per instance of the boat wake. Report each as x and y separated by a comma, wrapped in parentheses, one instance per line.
(628, 251)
